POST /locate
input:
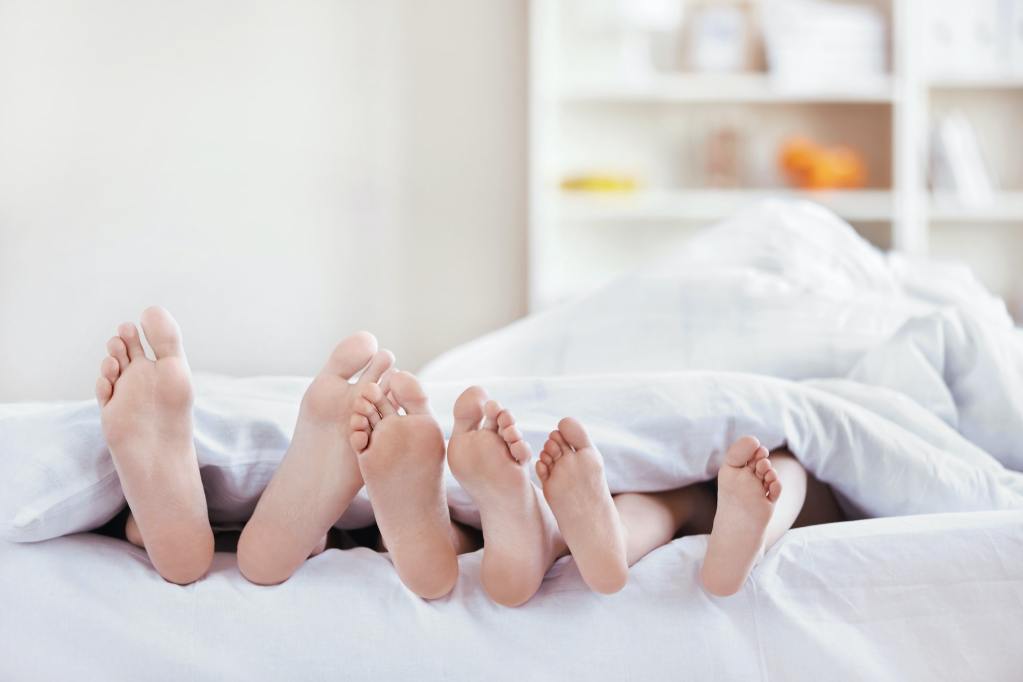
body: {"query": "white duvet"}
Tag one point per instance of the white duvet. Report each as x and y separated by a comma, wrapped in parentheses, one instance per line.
(899, 383)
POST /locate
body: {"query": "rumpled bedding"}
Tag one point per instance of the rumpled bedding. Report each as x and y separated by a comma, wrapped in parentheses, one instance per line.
(898, 382)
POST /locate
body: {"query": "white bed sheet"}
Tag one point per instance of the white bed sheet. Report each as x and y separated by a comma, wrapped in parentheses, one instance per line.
(915, 405)
(935, 597)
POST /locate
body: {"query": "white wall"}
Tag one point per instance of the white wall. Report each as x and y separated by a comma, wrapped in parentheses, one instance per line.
(278, 174)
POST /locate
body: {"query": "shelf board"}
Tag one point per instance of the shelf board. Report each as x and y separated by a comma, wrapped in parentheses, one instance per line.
(1004, 82)
(738, 88)
(699, 205)
(1006, 207)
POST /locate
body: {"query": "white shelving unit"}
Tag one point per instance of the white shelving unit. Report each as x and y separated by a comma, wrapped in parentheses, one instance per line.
(889, 118)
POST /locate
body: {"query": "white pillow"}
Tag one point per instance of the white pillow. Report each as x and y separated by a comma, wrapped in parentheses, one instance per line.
(59, 478)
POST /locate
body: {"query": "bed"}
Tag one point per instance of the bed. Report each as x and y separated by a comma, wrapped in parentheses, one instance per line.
(899, 383)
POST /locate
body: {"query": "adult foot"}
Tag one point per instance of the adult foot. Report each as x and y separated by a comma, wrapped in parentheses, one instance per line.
(748, 487)
(401, 457)
(319, 475)
(572, 472)
(146, 413)
(520, 536)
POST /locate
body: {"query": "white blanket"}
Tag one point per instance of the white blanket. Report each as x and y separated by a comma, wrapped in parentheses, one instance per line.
(899, 383)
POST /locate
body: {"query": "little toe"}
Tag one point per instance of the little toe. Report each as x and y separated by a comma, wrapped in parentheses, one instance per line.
(543, 471)
(130, 337)
(117, 349)
(351, 354)
(774, 491)
(547, 460)
(110, 369)
(359, 440)
(741, 451)
(104, 391)
(409, 393)
(468, 410)
(162, 333)
(574, 433)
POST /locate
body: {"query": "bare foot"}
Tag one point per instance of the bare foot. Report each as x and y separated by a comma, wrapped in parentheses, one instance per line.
(319, 475)
(146, 412)
(520, 536)
(402, 461)
(748, 487)
(572, 472)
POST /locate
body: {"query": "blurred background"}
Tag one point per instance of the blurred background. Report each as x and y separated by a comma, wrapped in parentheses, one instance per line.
(279, 174)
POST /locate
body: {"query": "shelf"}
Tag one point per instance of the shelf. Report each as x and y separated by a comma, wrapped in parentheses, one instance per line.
(698, 205)
(745, 88)
(1006, 82)
(1007, 207)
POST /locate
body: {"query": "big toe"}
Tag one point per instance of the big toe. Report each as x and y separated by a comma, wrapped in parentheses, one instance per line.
(351, 354)
(574, 433)
(409, 393)
(468, 410)
(741, 451)
(162, 333)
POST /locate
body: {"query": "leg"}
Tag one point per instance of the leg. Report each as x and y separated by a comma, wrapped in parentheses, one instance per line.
(651, 520)
(319, 475)
(401, 457)
(146, 412)
(520, 536)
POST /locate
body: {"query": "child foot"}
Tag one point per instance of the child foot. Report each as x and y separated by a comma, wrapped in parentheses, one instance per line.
(146, 413)
(748, 487)
(520, 537)
(572, 472)
(401, 457)
(319, 475)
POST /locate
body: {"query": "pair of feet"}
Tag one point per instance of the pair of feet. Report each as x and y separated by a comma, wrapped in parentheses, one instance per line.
(377, 431)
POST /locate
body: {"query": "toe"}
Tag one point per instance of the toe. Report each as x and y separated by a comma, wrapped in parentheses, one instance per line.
(554, 448)
(110, 369)
(511, 434)
(409, 393)
(372, 393)
(774, 491)
(351, 355)
(358, 422)
(381, 362)
(520, 451)
(130, 337)
(560, 441)
(542, 470)
(505, 419)
(104, 390)
(741, 451)
(468, 410)
(546, 459)
(762, 467)
(491, 410)
(162, 333)
(574, 433)
(117, 349)
(359, 440)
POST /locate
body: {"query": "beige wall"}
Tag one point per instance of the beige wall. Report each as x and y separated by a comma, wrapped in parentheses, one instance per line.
(276, 173)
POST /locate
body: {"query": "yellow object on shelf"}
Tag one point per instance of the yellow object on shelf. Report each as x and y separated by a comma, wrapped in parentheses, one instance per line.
(598, 182)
